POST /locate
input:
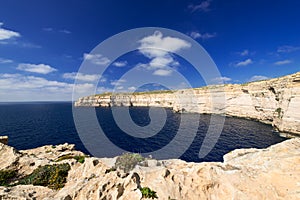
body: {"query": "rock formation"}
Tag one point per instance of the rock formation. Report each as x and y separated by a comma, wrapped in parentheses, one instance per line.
(275, 101)
(271, 173)
(4, 139)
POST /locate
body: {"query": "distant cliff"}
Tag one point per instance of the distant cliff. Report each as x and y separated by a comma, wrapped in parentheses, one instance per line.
(275, 101)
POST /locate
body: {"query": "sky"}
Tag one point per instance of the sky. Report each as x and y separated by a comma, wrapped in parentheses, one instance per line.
(43, 44)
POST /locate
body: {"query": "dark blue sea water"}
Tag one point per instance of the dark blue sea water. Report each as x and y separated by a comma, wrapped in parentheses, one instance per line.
(30, 125)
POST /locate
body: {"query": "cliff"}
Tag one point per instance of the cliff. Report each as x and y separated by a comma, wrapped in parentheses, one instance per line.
(274, 101)
(271, 173)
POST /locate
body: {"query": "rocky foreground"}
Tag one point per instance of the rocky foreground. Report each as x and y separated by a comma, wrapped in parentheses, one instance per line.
(271, 173)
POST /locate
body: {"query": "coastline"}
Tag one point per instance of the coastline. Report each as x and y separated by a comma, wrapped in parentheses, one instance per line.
(272, 101)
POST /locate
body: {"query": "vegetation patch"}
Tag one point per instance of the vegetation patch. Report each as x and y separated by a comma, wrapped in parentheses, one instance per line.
(6, 176)
(245, 84)
(110, 170)
(134, 93)
(52, 176)
(128, 161)
(155, 92)
(148, 193)
(278, 110)
(104, 94)
(79, 159)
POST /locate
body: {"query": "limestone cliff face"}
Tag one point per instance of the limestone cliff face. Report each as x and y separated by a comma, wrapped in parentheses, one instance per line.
(275, 101)
(255, 174)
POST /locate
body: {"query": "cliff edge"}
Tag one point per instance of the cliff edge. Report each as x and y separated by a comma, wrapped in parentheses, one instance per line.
(274, 101)
(271, 173)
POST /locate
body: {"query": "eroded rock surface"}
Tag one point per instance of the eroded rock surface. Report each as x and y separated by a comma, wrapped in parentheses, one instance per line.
(271, 173)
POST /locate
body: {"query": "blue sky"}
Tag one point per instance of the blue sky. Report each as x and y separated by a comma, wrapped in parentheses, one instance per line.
(43, 43)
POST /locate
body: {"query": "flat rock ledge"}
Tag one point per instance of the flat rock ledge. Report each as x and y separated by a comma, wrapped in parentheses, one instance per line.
(271, 173)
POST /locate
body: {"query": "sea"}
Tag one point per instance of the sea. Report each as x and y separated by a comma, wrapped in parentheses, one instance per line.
(34, 124)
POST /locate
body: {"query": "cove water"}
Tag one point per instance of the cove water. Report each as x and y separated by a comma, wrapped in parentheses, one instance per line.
(31, 125)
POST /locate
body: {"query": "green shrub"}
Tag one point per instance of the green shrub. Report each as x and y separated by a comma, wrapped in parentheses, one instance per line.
(52, 176)
(148, 193)
(6, 176)
(128, 161)
(110, 170)
(79, 159)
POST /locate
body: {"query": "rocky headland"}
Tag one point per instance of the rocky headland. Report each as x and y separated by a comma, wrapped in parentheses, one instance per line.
(274, 101)
(61, 172)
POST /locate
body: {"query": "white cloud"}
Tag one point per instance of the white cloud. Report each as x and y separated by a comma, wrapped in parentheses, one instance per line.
(257, 78)
(36, 68)
(97, 59)
(101, 90)
(287, 49)
(5, 61)
(120, 64)
(220, 80)
(18, 81)
(119, 88)
(118, 82)
(7, 34)
(161, 65)
(102, 79)
(204, 36)
(65, 31)
(156, 45)
(283, 62)
(20, 44)
(244, 53)
(162, 72)
(132, 88)
(162, 62)
(181, 85)
(244, 63)
(203, 6)
(81, 76)
(18, 87)
(156, 48)
(49, 29)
